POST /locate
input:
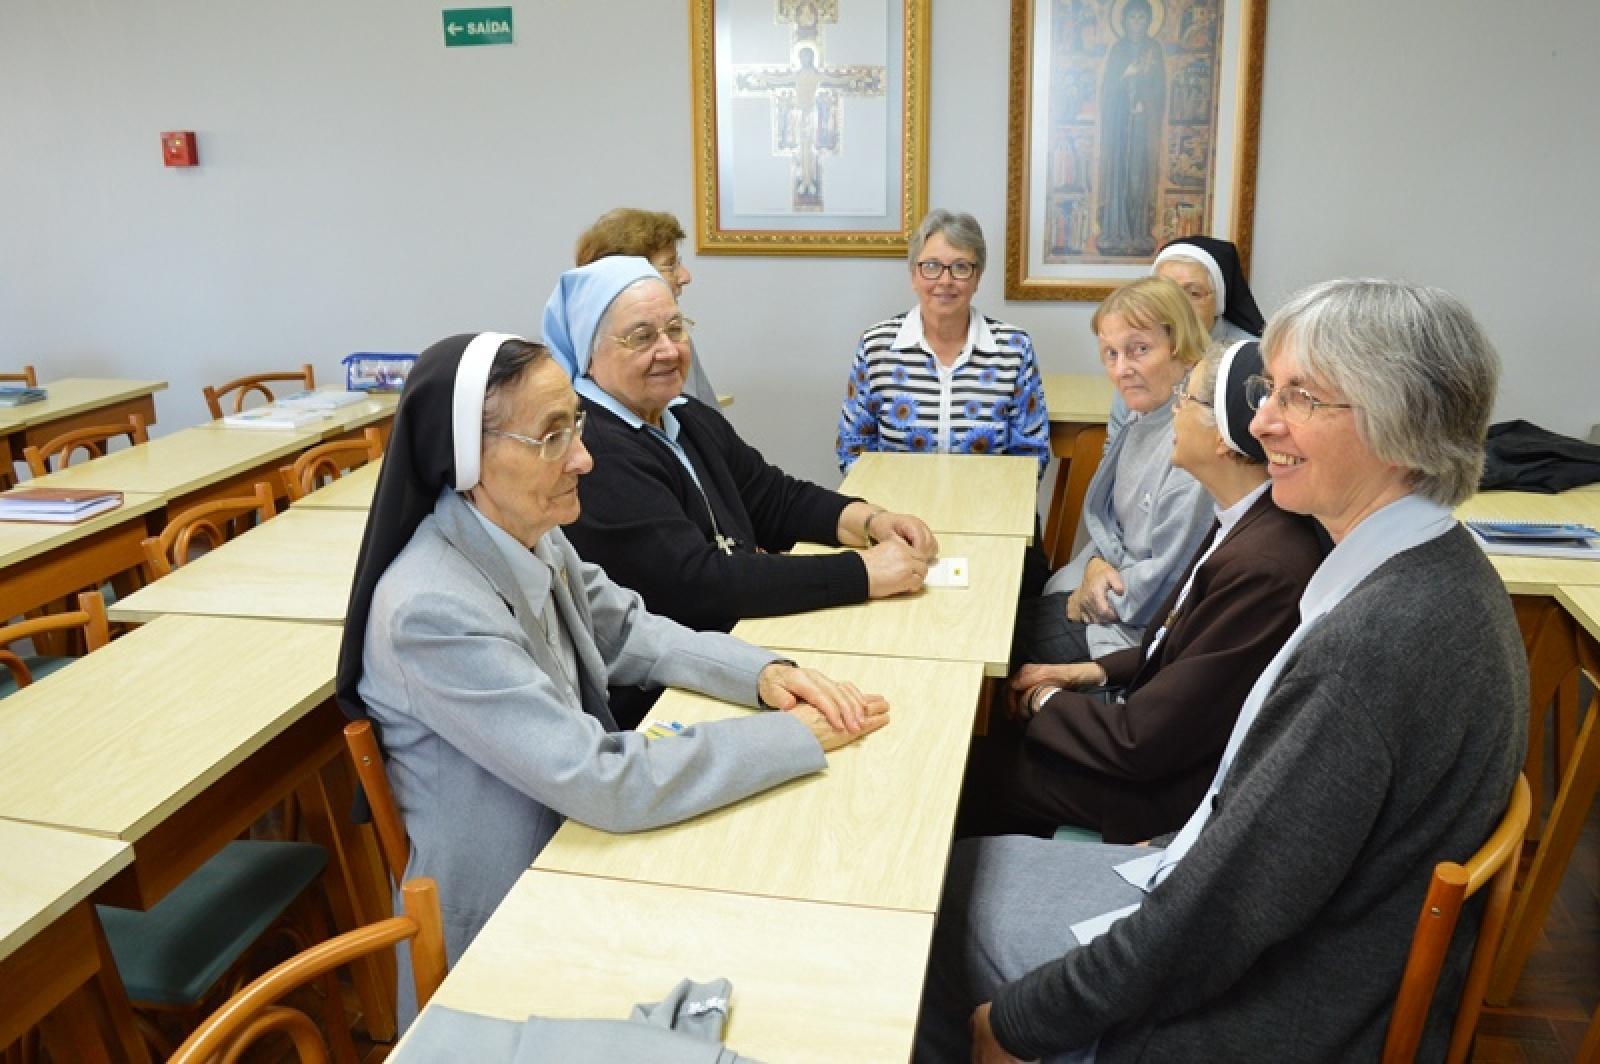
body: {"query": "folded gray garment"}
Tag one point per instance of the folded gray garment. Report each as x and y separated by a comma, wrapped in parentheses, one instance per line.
(683, 1028)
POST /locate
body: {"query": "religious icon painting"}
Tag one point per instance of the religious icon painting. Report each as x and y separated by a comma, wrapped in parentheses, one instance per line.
(1133, 122)
(810, 125)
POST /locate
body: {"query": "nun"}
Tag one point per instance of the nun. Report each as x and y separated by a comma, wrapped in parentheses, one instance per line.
(480, 645)
(1208, 271)
(1125, 744)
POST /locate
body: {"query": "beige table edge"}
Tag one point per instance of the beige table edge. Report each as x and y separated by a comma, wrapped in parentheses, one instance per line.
(55, 536)
(52, 409)
(39, 851)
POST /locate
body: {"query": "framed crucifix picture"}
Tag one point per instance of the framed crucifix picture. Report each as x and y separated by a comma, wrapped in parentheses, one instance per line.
(810, 125)
(1133, 123)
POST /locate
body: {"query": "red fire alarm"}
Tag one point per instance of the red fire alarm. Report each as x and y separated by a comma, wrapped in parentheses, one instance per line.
(178, 149)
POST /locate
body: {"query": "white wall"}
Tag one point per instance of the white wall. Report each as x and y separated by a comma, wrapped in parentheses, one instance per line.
(362, 188)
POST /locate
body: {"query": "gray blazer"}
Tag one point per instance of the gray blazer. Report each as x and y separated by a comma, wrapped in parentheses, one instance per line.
(489, 748)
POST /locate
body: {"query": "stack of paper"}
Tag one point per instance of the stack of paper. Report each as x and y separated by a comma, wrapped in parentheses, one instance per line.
(274, 416)
(57, 506)
(1536, 540)
(324, 400)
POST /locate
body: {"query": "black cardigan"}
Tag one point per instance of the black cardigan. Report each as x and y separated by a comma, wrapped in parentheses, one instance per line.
(645, 522)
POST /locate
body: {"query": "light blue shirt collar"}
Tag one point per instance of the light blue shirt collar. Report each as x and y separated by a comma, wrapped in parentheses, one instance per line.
(530, 571)
(667, 433)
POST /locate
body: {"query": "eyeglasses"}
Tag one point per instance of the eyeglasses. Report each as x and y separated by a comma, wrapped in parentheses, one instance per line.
(1297, 404)
(1180, 392)
(933, 269)
(644, 337)
(1197, 293)
(553, 446)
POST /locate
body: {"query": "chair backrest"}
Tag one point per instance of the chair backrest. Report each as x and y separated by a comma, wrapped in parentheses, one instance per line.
(1494, 864)
(214, 522)
(27, 377)
(90, 616)
(254, 1011)
(92, 440)
(396, 845)
(325, 462)
(306, 379)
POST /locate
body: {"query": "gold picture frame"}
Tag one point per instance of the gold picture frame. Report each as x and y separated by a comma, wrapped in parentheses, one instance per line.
(793, 155)
(1093, 186)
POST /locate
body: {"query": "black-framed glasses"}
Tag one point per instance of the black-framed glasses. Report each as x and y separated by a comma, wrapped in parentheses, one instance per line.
(553, 446)
(960, 270)
(1296, 403)
(644, 337)
(1180, 392)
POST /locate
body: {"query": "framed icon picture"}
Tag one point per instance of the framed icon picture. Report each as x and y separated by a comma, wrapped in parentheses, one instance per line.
(1132, 123)
(810, 125)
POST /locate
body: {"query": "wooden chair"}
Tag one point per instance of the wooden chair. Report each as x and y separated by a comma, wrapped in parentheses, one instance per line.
(27, 377)
(1495, 864)
(1066, 501)
(392, 838)
(253, 1011)
(305, 380)
(326, 462)
(90, 617)
(215, 522)
(93, 439)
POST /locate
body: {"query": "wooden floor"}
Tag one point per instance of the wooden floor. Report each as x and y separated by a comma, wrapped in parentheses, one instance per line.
(1560, 988)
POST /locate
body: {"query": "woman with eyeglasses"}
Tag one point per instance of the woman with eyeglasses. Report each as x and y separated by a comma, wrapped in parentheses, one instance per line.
(679, 508)
(1125, 745)
(481, 645)
(943, 378)
(1144, 516)
(1383, 738)
(652, 235)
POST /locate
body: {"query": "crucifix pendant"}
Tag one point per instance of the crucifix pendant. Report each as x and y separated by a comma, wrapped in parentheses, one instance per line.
(724, 544)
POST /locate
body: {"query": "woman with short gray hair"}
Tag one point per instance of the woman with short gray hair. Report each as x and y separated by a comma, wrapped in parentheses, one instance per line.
(1383, 738)
(943, 378)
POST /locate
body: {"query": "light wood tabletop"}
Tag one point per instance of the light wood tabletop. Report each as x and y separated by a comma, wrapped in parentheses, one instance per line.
(1583, 605)
(22, 540)
(352, 491)
(116, 741)
(1078, 398)
(1537, 576)
(348, 418)
(811, 982)
(182, 462)
(949, 624)
(976, 494)
(47, 871)
(71, 396)
(296, 567)
(873, 829)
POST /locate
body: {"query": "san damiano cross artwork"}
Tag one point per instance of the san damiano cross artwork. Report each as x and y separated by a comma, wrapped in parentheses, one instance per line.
(806, 92)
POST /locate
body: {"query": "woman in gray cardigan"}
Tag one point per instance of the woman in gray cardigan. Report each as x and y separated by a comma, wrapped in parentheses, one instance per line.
(1383, 738)
(481, 645)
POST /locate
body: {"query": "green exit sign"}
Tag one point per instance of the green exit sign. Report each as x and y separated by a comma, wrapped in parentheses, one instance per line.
(467, 26)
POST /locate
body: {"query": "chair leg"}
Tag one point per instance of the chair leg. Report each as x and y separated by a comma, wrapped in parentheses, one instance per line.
(1589, 1052)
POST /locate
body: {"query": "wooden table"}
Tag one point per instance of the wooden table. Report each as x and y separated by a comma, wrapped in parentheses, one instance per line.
(874, 829)
(342, 422)
(352, 491)
(53, 956)
(190, 466)
(975, 494)
(1575, 797)
(1537, 576)
(811, 982)
(1079, 404)
(178, 736)
(75, 403)
(41, 563)
(949, 624)
(296, 567)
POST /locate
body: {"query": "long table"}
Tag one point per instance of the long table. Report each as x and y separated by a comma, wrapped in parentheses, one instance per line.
(178, 736)
(811, 981)
(55, 967)
(969, 493)
(352, 491)
(73, 403)
(873, 830)
(952, 624)
(296, 567)
(41, 563)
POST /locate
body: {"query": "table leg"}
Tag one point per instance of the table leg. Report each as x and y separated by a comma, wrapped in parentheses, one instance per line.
(1573, 802)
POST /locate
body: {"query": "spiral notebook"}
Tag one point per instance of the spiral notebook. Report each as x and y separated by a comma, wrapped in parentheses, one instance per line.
(1537, 540)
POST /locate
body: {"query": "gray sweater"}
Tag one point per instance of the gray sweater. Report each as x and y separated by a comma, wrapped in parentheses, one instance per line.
(1389, 743)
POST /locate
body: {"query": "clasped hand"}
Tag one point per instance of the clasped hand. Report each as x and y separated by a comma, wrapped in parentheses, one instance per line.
(1091, 602)
(836, 711)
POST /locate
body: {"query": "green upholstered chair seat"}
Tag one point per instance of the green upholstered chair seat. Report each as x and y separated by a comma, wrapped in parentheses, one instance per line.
(39, 667)
(174, 953)
(1069, 833)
